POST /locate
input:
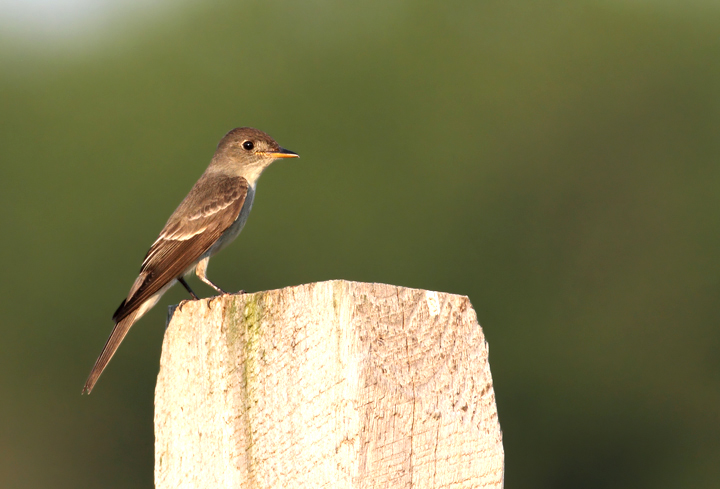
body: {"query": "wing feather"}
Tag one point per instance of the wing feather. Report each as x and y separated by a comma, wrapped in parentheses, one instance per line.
(211, 207)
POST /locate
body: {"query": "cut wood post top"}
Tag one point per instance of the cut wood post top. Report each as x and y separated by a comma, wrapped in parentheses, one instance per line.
(332, 384)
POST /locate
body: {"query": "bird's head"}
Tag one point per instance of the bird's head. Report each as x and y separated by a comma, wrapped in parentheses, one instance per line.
(247, 151)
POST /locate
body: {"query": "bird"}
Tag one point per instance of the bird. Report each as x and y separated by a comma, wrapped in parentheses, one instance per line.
(210, 217)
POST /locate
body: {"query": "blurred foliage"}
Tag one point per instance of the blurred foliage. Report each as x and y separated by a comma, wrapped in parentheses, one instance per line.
(555, 161)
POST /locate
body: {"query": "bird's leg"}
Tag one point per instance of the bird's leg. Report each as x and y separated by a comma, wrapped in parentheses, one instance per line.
(187, 287)
(201, 272)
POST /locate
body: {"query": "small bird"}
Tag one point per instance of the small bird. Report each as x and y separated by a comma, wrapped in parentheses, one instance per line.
(207, 220)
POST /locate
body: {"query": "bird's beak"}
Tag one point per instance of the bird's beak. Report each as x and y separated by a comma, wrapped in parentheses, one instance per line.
(283, 153)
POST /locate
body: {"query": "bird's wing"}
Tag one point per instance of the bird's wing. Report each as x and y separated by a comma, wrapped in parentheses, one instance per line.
(210, 208)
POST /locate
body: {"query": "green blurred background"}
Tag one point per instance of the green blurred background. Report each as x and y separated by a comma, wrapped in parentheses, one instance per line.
(556, 161)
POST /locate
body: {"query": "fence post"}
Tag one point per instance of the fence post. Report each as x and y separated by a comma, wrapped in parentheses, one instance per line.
(334, 384)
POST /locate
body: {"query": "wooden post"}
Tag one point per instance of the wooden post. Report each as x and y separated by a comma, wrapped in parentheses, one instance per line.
(334, 384)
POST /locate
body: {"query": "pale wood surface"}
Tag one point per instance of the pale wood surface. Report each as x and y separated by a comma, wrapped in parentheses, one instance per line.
(334, 384)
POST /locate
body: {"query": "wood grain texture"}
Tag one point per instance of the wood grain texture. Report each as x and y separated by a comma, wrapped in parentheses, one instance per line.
(334, 384)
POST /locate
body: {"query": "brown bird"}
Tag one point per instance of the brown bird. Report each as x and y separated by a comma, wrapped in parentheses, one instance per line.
(207, 220)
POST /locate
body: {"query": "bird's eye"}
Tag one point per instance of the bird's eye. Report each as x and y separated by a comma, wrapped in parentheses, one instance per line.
(248, 145)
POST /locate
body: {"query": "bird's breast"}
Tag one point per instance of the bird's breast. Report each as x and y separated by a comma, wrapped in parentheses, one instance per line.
(232, 232)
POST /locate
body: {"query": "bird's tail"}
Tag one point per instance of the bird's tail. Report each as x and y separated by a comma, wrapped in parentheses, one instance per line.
(118, 333)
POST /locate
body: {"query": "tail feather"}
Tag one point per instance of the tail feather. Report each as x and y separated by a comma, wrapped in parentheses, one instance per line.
(118, 334)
